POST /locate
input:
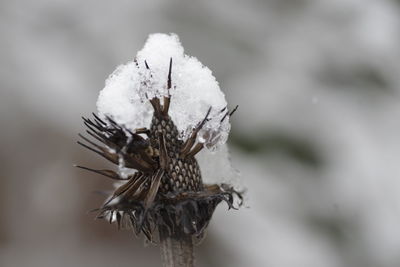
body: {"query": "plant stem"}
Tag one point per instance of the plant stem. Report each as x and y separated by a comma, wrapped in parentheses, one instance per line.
(177, 252)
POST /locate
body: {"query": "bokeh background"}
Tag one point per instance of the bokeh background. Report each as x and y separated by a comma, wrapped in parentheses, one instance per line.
(316, 137)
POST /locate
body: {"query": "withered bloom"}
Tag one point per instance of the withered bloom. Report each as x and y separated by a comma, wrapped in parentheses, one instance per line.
(165, 198)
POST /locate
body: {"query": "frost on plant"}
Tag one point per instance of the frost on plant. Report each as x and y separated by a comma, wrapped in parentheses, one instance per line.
(155, 114)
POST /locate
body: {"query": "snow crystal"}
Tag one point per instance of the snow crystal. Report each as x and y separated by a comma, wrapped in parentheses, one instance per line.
(194, 90)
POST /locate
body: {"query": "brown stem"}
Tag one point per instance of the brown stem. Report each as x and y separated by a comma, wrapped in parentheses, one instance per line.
(176, 252)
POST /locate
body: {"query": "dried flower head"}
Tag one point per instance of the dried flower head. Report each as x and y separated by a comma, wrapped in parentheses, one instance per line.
(161, 189)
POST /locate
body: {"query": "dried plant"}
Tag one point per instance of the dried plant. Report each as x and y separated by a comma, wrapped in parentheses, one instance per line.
(165, 199)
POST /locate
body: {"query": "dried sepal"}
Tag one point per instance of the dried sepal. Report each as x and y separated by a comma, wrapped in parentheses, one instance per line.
(185, 213)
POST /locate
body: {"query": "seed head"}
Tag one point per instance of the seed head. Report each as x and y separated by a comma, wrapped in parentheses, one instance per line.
(166, 191)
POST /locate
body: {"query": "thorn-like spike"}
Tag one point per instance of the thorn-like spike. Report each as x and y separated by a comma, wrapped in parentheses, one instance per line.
(93, 130)
(233, 111)
(95, 124)
(90, 142)
(196, 149)
(88, 123)
(116, 125)
(96, 137)
(169, 84)
(84, 119)
(151, 194)
(122, 189)
(204, 120)
(98, 119)
(135, 189)
(88, 147)
(108, 173)
(103, 153)
(187, 146)
(147, 66)
(229, 113)
(167, 99)
(93, 210)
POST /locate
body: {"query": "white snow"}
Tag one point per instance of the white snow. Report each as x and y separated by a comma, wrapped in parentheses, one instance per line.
(216, 167)
(194, 90)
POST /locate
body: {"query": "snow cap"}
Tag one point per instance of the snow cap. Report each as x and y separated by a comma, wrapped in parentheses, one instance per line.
(194, 90)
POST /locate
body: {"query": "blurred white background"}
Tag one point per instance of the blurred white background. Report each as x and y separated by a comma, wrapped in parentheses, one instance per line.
(316, 136)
